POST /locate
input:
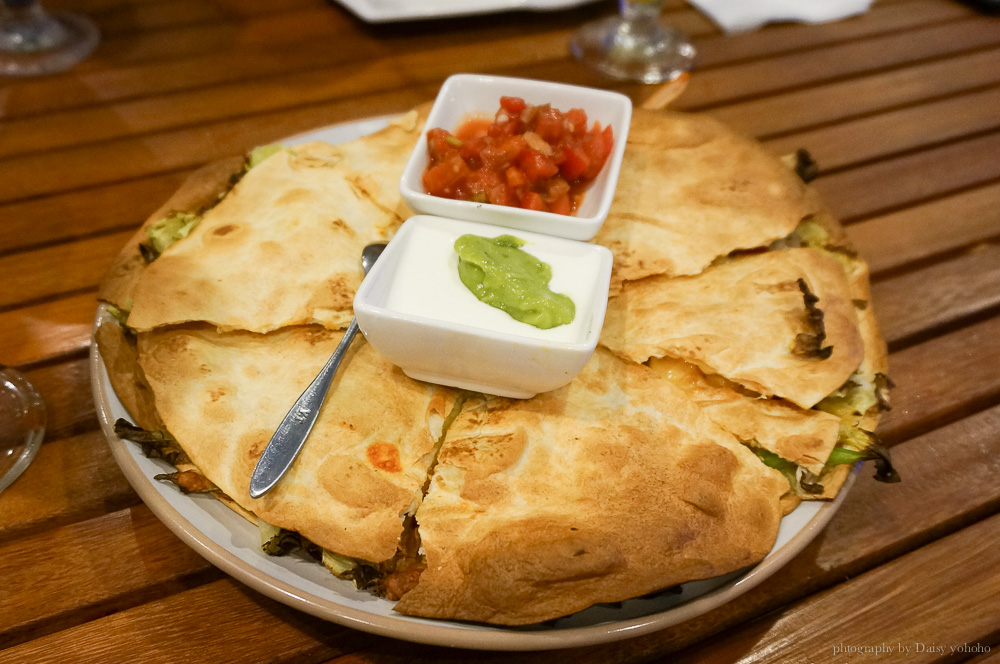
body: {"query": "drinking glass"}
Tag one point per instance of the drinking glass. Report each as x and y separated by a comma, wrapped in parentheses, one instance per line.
(635, 45)
(22, 424)
(35, 42)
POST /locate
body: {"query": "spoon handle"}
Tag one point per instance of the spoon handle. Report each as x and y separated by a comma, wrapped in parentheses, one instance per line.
(291, 434)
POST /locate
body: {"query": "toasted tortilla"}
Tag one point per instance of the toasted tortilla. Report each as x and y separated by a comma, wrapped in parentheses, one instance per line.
(691, 190)
(222, 395)
(613, 486)
(282, 248)
(805, 437)
(741, 320)
(201, 189)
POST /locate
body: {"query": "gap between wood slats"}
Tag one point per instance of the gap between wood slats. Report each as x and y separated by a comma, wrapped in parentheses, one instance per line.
(137, 117)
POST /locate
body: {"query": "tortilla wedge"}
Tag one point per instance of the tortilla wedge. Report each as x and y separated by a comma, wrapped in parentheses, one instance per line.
(742, 319)
(691, 190)
(611, 487)
(222, 395)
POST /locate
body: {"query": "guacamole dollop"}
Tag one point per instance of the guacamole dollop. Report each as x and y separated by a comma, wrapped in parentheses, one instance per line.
(502, 275)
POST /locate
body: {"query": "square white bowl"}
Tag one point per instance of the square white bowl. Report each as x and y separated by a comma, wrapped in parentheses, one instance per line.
(414, 310)
(469, 95)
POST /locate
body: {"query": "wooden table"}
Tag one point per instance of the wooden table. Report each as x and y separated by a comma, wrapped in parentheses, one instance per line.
(901, 108)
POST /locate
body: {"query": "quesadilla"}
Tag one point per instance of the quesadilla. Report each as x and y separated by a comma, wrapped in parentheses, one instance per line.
(740, 370)
(613, 486)
(691, 190)
(232, 270)
(779, 323)
(222, 395)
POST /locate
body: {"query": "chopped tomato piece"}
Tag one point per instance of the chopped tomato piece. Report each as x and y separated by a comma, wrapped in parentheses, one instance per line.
(562, 205)
(516, 177)
(437, 144)
(533, 201)
(577, 119)
(575, 162)
(536, 165)
(513, 105)
(549, 125)
(597, 145)
(439, 179)
(474, 128)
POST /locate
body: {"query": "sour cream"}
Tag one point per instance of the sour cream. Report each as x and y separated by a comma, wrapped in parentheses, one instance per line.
(427, 284)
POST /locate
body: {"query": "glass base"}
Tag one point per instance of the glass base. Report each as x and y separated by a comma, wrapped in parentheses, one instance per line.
(22, 425)
(648, 52)
(45, 46)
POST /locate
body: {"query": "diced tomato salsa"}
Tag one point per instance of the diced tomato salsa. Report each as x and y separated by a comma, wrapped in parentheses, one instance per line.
(534, 157)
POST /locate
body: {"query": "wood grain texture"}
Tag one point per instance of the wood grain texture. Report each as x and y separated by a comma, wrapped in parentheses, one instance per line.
(917, 233)
(893, 132)
(943, 380)
(856, 96)
(898, 603)
(85, 570)
(917, 303)
(70, 480)
(715, 86)
(914, 177)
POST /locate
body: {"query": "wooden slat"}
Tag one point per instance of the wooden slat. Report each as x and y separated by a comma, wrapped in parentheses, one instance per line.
(880, 136)
(943, 379)
(928, 174)
(65, 388)
(160, 15)
(883, 18)
(914, 234)
(63, 268)
(82, 213)
(122, 558)
(49, 173)
(716, 86)
(916, 303)
(187, 627)
(856, 96)
(52, 328)
(70, 480)
(208, 105)
(899, 603)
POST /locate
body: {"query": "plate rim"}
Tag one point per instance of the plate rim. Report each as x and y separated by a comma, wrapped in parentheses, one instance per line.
(400, 627)
(372, 11)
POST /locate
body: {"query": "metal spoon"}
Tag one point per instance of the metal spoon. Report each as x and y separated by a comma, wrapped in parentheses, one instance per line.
(291, 434)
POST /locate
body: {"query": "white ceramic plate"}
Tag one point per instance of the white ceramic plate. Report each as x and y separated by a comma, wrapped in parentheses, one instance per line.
(232, 544)
(385, 11)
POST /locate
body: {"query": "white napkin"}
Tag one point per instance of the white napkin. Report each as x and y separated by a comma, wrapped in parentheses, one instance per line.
(740, 15)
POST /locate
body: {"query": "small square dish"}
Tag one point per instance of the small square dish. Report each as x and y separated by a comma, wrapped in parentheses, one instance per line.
(414, 309)
(465, 97)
